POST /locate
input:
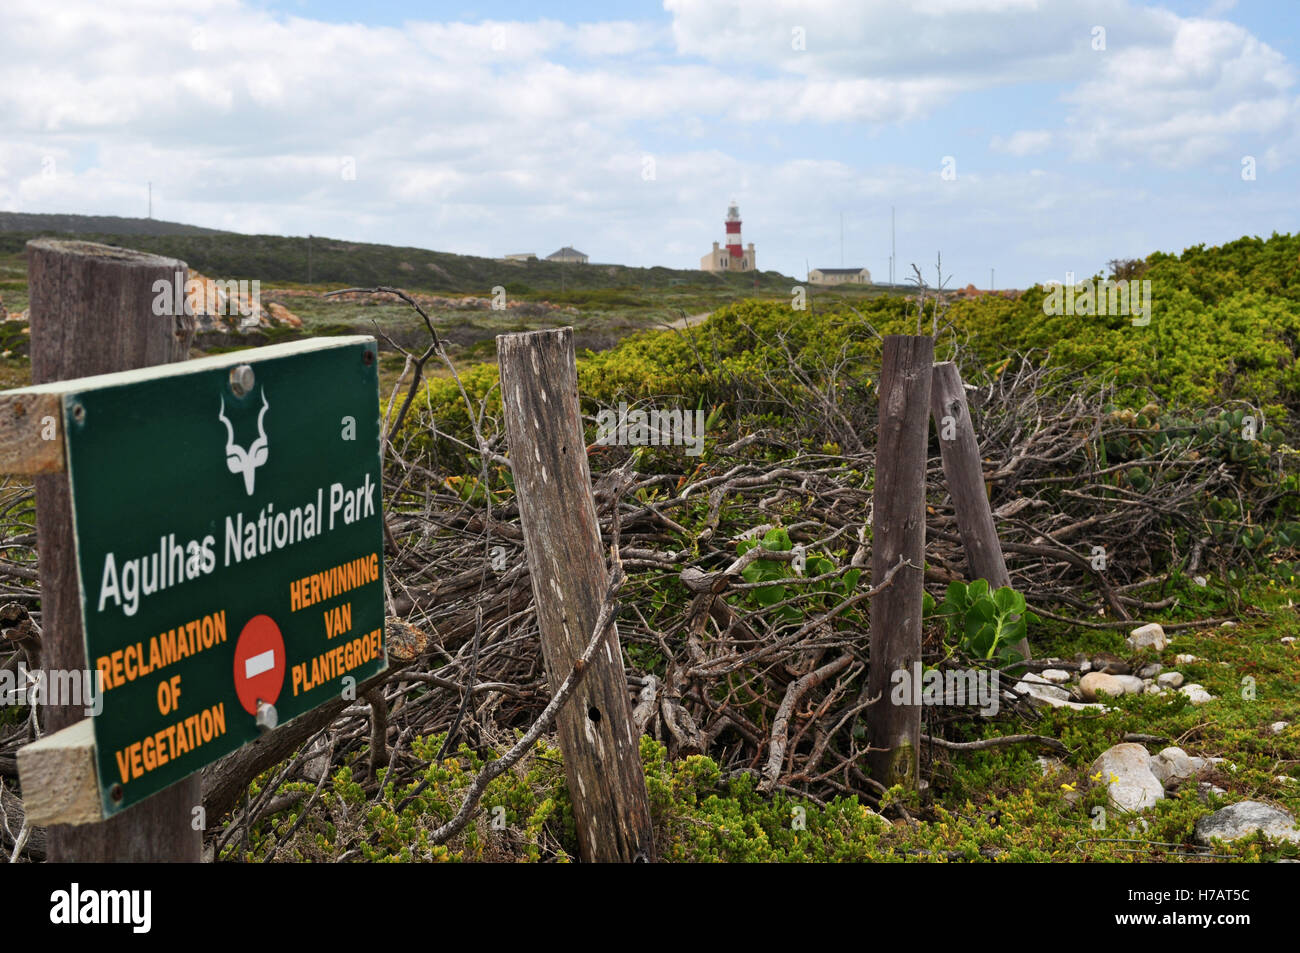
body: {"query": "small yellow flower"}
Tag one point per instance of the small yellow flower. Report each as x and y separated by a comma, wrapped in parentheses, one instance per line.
(1114, 778)
(1095, 777)
(1067, 787)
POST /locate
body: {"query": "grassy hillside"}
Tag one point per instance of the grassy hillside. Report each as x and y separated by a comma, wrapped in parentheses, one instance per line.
(604, 303)
(1225, 329)
(99, 224)
(279, 259)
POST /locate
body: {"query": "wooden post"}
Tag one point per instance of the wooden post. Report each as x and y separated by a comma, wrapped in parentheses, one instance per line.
(539, 396)
(964, 473)
(91, 313)
(898, 531)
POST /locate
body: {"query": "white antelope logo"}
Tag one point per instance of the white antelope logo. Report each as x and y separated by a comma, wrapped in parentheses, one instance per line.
(246, 461)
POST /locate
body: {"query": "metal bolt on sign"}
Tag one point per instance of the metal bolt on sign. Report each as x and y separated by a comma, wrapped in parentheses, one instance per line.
(267, 718)
(241, 380)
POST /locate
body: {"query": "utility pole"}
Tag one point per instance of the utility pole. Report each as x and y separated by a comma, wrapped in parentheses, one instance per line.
(893, 250)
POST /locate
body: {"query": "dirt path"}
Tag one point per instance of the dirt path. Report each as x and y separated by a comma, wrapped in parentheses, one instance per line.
(681, 324)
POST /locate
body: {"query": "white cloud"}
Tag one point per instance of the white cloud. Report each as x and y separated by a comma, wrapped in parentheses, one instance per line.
(1023, 143)
(1212, 90)
(1156, 92)
(499, 136)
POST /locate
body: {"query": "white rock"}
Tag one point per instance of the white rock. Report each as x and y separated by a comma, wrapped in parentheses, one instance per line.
(1057, 676)
(1185, 659)
(1155, 690)
(1135, 787)
(1243, 819)
(1279, 726)
(1205, 789)
(1079, 706)
(1151, 671)
(1169, 679)
(1050, 695)
(1085, 667)
(1285, 779)
(1039, 689)
(1287, 639)
(1200, 580)
(1044, 684)
(1151, 635)
(1227, 625)
(1173, 766)
(1197, 694)
(1132, 684)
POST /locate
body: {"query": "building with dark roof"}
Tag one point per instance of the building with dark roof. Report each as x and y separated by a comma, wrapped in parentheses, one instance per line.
(567, 254)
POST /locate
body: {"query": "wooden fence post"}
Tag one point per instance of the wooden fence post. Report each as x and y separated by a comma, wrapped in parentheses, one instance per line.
(539, 396)
(898, 531)
(91, 313)
(964, 473)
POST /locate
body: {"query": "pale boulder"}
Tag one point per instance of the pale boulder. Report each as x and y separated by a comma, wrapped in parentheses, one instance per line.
(1151, 635)
(1245, 818)
(1095, 684)
(1126, 771)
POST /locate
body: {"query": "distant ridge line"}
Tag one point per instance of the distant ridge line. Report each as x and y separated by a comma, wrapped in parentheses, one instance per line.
(98, 224)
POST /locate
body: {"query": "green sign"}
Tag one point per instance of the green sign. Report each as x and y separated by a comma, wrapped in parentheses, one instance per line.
(229, 549)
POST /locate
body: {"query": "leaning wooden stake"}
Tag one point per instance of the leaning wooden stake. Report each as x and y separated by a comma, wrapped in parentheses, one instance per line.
(898, 531)
(960, 451)
(539, 395)
(91, 313)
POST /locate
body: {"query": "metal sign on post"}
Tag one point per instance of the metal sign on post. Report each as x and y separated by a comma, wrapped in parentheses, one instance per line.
(229, 544)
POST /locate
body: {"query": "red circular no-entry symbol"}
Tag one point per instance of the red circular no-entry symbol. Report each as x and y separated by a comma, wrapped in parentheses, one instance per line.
(259, 663)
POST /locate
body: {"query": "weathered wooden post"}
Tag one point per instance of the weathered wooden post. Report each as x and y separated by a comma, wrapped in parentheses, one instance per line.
(898, 531)
(964, 473)
(539, 395)
(91, 313)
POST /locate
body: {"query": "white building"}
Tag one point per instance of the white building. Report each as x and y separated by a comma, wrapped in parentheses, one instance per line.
(840, 276)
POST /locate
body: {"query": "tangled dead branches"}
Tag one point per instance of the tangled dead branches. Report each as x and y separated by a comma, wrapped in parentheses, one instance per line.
(766, 677)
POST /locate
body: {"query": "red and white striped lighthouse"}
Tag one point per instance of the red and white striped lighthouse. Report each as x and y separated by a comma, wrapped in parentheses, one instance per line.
(733, 242)
(733, 254)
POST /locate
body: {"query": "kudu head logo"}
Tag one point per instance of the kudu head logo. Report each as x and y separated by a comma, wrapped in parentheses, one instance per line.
(247, 461)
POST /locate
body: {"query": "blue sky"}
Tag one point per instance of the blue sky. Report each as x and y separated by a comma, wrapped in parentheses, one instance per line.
(1078, 130)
